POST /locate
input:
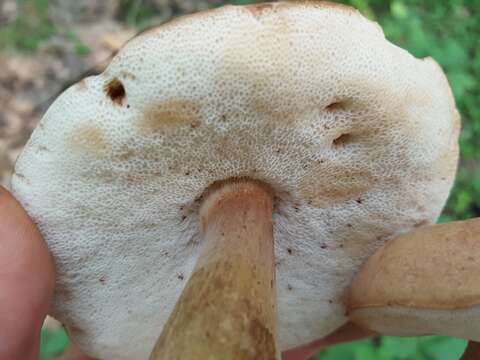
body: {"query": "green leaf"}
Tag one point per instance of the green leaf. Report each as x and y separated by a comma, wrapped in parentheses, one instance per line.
(398, 347)
(52, 343)
(343, 351)
(461, 82)
(82, 49)
(440, 348)
(243, 2)
(399, 10)
(463, 201)
(366, 352)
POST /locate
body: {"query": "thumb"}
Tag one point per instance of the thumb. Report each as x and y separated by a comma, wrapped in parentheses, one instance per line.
(26, 281)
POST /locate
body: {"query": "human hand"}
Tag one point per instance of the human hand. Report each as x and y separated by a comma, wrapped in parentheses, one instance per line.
(26, 283)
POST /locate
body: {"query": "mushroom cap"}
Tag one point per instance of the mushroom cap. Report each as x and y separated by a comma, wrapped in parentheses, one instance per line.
(422, 283)
(356, 137)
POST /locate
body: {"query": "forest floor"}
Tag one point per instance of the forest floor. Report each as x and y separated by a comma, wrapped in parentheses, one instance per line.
(70, 40)
(31, 80)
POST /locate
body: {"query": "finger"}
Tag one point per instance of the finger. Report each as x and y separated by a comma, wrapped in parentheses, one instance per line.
(26, 281)
(348, 332)
(424, 282)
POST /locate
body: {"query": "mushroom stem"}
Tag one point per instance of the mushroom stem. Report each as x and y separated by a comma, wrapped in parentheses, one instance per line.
(228, 307)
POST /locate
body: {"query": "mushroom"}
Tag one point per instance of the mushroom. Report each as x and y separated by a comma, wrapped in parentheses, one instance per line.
(422, 283)
(252, 157)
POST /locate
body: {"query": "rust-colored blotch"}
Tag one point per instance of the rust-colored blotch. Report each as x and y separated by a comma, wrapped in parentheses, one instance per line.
(89, 138)
(170, 114)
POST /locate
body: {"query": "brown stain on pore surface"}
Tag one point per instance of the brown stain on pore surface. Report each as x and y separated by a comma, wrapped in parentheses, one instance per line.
(334, 185)
(330, 5)
(254, 9)
(258, 9)
(82, 85)
(88, 138)
(171, 113)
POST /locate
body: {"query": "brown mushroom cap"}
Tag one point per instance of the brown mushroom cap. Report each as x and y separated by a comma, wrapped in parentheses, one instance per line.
(422, 283)
(356, 138)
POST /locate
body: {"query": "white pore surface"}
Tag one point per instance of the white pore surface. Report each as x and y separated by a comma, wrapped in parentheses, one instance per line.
(236, 92)
(407, 321)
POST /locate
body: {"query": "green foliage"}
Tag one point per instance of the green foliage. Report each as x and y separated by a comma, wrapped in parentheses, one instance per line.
(80, 48)
(396, 348)
(33, 26)
(137, 13)
(243, 2)
(30, 28)
(52, 343)
(449, 32)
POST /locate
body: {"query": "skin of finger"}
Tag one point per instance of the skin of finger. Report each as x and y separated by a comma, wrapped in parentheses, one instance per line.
(26, 281)
(348, 332)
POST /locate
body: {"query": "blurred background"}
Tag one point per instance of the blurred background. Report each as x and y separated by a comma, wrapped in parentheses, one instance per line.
(45, 46)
